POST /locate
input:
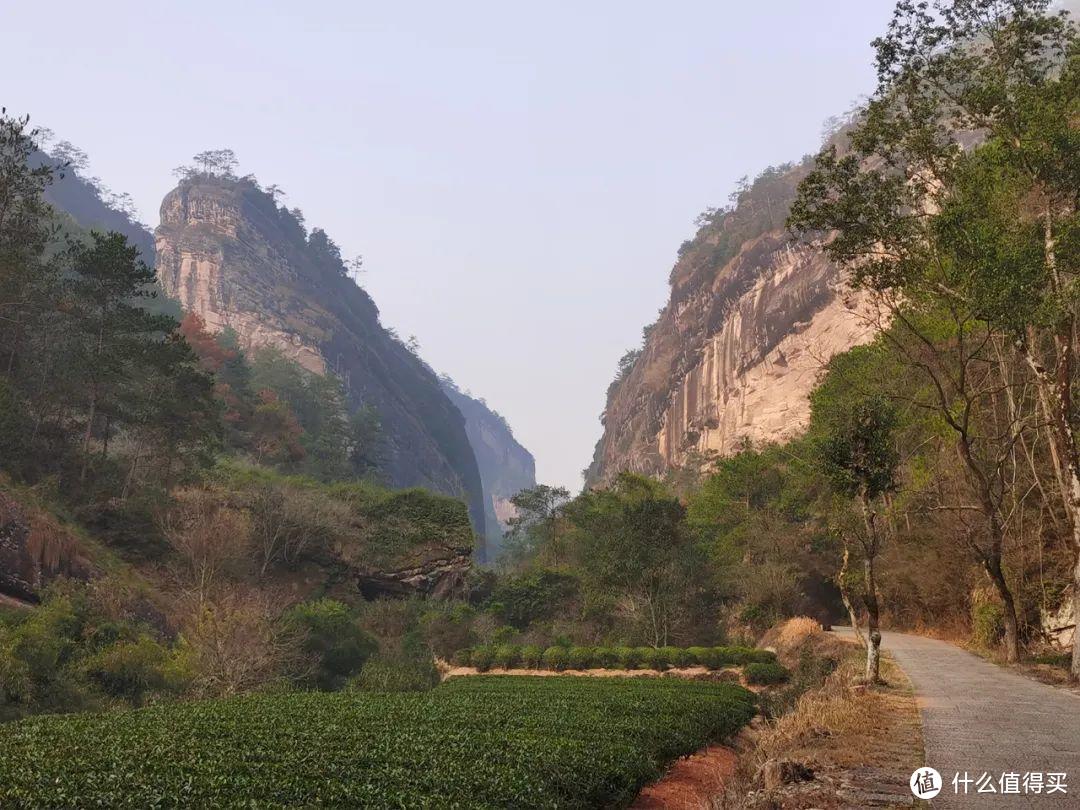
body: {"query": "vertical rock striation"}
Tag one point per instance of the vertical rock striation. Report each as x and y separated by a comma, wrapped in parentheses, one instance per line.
(227, 252)
(751, 320)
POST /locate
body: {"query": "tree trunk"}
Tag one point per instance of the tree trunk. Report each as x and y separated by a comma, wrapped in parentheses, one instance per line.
(873, 649)
(1012, 637)
(845, 596)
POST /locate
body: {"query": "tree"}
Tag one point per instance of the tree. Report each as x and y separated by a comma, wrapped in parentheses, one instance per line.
(534, 531)
(985, 234)
(24, 232)
(856, 451)
(207, 537)
(217, 162)
(631, 543)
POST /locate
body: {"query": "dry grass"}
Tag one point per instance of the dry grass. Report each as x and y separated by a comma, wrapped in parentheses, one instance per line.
(833, 729)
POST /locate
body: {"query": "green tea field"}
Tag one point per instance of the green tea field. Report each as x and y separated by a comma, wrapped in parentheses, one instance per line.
(471, 742)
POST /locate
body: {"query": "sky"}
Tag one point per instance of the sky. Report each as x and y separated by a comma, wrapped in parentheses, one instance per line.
(517, 177)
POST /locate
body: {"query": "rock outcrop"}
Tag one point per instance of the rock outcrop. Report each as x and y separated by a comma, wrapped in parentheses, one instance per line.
(227, 252)
(751, 320)
(506, 467)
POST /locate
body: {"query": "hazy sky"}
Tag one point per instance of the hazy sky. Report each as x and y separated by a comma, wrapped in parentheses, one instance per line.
(517, 177)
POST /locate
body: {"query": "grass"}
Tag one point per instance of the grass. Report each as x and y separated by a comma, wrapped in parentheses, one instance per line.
(472, 742)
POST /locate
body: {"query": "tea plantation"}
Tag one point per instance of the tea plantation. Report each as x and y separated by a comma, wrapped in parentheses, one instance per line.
(472, 742)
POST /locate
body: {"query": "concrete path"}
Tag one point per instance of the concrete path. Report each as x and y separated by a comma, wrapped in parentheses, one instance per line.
(981, 718)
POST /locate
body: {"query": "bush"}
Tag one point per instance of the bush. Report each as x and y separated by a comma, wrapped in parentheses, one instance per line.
(332, 640)
(657, 659)
(556, 658)
(629, 657)
(606, 658)
(532, 656)
(699, 655)
(133, 669)
(483, 657)
(527, 598)
(678, 656)
(507, 656)
(580, 658)
(765, 674)
(987, 623)
(462, 658)
(396, 673)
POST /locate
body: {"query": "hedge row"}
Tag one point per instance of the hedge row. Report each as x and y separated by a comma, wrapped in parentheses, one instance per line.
(510, 656)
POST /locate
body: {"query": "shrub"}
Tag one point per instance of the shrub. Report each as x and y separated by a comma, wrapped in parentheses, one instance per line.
(332, 640)
(556, 658)
(765, 674)
(396, 673)
(657, 659)
(507, 656)
(629, 657)
(133, 669)
(606, 658)
(462, 658)
(483, 657)
(987, 623)
(580, 657)
(526, 598)
(699, 655)
(532, 656)
(679, 657)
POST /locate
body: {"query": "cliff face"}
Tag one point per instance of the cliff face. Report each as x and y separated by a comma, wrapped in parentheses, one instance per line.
(751, 320)
(227, 252)
(506, 467)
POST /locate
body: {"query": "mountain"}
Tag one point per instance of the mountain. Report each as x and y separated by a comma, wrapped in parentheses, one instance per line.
(506, 467)
(82, 200)
(226, 251)
(751, 319)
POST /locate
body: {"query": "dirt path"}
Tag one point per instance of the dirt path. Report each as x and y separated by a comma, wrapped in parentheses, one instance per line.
(981, 718)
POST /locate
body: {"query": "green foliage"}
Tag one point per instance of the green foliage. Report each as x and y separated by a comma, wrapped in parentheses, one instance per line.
(462, 658)
(766, 674)
(131, 670)
(556, 658)
(525, 598)
(482, 658)
(332, 640)
(629, 657)
(655, 658)
(987, 623)
(396, 673)
(379, 750)
(507, 656)
(532, 656)
(606, 658)
(580, 658)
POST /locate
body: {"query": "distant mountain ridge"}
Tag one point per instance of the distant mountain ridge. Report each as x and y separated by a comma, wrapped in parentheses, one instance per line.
(506, 467)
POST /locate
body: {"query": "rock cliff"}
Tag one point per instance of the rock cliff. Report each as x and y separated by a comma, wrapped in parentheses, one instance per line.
(751, 319)
(227, 252)
(506, 467)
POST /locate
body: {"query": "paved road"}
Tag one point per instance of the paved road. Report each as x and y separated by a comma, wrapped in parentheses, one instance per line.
(979, 717)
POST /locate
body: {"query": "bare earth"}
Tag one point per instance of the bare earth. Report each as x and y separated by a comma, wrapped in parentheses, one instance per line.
(981, 718)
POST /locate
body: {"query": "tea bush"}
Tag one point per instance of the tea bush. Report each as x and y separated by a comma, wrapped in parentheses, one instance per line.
(765, 673)
(538, 742)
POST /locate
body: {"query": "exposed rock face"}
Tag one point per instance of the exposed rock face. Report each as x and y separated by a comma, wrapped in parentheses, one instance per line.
(738, 348)
(227, 252)
(506, 467)
(20, 572)
(439, 577)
